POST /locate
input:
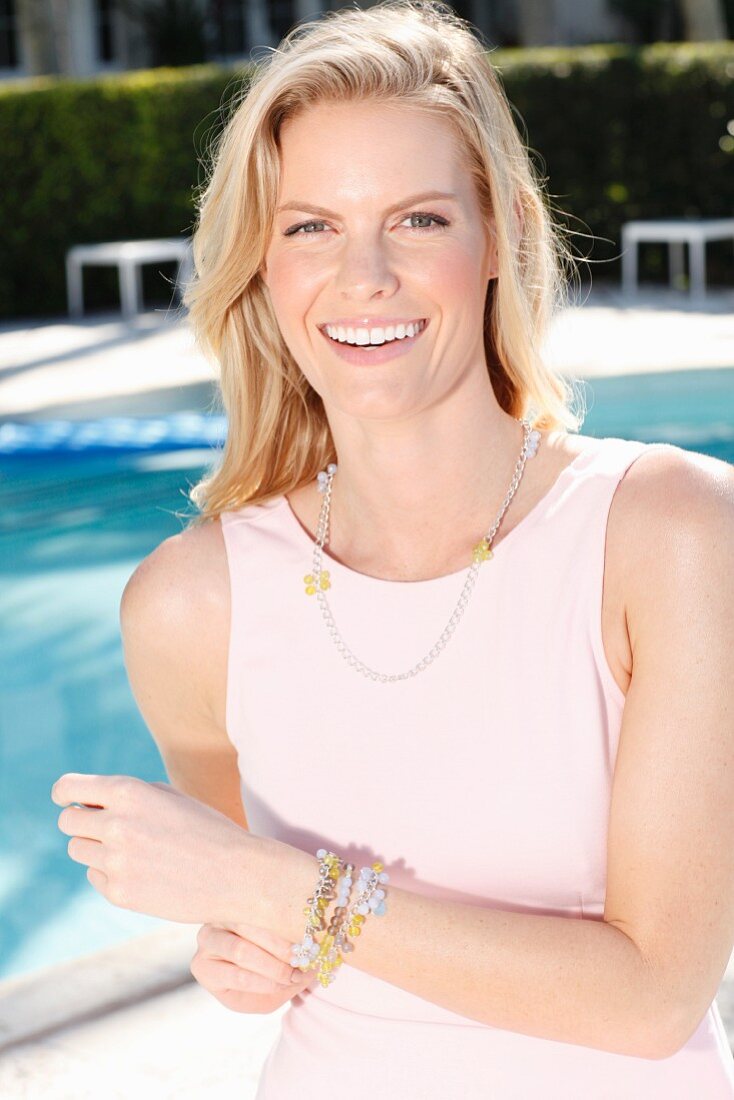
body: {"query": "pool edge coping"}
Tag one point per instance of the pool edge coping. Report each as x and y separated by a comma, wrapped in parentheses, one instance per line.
(36, 1005)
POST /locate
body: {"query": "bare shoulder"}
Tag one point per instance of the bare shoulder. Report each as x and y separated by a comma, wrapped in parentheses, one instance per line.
(183, 571)
(668, 491)
(670, 513)
(175, 605)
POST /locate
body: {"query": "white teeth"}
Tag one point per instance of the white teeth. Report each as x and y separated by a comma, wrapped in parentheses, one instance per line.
(362, 337)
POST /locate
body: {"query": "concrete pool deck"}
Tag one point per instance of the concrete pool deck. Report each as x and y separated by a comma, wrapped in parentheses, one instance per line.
(129, 1020)
(149, 366)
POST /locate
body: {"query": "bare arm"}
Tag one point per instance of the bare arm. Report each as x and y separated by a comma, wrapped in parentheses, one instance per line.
(639, 981)
(174, 619)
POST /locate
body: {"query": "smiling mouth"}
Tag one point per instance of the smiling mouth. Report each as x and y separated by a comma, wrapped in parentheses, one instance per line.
(409, 332)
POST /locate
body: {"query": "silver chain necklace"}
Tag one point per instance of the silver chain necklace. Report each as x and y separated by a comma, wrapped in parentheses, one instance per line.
(318, 581)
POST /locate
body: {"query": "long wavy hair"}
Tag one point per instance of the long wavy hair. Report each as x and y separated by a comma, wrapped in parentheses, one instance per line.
(420, 53)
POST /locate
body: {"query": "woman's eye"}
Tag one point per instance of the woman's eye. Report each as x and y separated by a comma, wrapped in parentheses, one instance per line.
(295, 229)
(441, 222)
(307, 228)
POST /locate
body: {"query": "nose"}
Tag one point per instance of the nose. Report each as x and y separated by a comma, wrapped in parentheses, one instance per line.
(365, 268)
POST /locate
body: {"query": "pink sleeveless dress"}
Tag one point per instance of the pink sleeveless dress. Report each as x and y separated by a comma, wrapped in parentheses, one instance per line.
(484, 779)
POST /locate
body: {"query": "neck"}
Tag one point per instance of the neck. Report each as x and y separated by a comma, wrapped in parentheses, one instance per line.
(419, 494)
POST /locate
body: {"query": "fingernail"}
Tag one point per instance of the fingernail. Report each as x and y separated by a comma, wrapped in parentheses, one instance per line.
(296, 976)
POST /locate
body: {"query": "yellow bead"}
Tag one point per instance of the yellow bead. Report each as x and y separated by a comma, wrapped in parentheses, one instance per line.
(482, 551)
(309, 578)
(377, 867)
(310, 590)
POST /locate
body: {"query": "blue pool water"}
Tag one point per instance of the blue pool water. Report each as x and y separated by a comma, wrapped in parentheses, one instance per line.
(80, 506)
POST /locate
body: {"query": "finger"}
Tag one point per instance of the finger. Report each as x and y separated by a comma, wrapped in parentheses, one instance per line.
(265, 938)
(86, 851)
(89, 790)
(84, 823)
(97, 878)
(219, 975)
(248, 956)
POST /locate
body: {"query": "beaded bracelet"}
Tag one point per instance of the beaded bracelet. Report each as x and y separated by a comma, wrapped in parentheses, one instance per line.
(306, 951)
(326, 957)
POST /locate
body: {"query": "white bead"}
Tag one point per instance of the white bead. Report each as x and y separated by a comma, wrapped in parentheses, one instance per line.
(383, 876)
(331, 468)
(363, 908)
(321, 853)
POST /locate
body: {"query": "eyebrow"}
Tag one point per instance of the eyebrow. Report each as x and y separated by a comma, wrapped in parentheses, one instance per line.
(323, 212)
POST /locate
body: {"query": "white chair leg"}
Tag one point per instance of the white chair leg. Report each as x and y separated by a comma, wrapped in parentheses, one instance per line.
(128, 288)
(698, 269)
(74, 287)
(676, 262)
(629, 265)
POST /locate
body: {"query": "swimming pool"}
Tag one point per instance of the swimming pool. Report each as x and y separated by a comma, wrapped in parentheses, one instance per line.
(82, 504)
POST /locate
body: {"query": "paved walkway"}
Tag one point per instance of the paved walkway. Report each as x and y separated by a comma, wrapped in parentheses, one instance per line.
(129, 1020)
(103, 366)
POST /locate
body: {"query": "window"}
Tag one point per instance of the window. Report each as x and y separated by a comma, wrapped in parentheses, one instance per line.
(226, 27)
(8, 35)
(103, 17)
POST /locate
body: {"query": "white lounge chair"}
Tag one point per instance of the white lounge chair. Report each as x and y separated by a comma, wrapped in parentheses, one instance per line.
(676, 232)
(128, 257)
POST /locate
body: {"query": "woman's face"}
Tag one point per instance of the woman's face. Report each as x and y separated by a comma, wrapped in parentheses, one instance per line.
(357, 249)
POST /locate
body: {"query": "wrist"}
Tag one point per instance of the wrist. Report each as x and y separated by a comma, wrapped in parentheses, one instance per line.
(288, 877)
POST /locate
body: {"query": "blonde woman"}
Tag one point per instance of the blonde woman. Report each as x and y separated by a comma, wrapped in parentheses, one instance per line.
(421, 621)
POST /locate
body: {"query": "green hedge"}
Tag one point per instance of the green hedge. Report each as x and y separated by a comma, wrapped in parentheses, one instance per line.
(621, 132)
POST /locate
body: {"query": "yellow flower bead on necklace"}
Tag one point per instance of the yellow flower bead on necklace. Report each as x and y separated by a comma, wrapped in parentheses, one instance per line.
(320, 579)
(482, 551)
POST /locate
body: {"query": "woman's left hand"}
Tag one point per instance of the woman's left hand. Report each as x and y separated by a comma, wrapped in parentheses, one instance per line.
(150, 848)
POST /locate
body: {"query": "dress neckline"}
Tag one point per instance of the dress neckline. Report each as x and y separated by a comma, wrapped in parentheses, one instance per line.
(532, 517)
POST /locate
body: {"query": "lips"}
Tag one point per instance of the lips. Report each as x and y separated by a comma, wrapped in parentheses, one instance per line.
(420, 322)
(364, 355)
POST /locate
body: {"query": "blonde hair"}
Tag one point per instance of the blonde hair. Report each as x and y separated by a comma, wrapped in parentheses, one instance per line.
(419, 53)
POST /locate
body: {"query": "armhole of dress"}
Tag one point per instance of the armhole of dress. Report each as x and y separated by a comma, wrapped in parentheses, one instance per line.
(612, 688)
(231, 703)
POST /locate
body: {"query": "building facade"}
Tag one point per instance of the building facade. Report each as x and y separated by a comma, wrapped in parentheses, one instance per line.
(84, 38)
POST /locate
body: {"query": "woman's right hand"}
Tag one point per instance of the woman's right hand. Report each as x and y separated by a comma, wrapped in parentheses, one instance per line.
(246, 968)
